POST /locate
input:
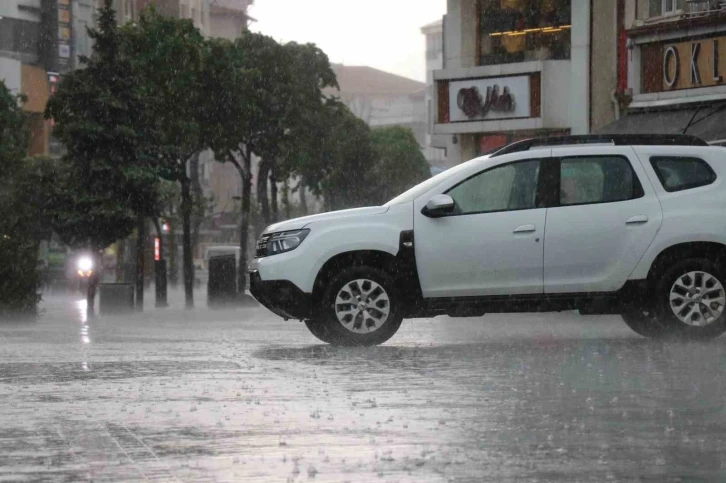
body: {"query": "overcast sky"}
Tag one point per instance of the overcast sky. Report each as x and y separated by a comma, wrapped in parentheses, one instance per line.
(384, 34)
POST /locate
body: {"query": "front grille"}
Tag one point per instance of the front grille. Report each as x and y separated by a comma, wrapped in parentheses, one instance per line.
(261, 250)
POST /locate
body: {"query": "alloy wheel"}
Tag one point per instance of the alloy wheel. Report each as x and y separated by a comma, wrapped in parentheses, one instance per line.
(362, 306)
(697, 298)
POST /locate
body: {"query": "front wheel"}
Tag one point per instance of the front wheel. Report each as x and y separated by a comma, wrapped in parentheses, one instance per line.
(360, 307)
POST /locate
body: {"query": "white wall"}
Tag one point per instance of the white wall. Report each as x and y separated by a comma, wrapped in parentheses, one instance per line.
(10, 74)
(580, 68)
(452, 34)
(9, 8)
(556, 103)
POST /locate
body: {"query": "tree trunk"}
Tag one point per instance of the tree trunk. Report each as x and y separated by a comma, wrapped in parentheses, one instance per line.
(273, 195)
(186, 210)
(262, 199)
(120, 260)
(303, 199)
(160, 275)
(93, 281)
(173, 270)
(159, 235)
(140, 244)
(244, 227)
(285, 198)
(197, 217)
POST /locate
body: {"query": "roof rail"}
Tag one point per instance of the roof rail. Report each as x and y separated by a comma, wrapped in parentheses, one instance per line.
(614, 139)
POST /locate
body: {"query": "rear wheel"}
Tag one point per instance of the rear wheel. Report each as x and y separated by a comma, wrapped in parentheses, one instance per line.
(319, 330)
(691, 298)
(359, 308)
(644, 322)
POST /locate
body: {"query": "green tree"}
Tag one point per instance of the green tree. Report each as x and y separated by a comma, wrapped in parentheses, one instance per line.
(18, 244)
(331, 154)
(309, 74)
(250, 107)
(399, 165)
(168, 56)
(107, 178)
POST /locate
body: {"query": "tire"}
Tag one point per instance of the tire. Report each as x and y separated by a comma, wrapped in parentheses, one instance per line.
(368, 321)
(698, 289)
(645, 323)
(319, 330)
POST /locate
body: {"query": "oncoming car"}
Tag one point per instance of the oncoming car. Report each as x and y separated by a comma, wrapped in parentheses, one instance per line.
(629, 225)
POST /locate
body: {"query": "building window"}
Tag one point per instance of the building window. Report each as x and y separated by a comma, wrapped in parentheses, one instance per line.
(659, 8)
(523, 30)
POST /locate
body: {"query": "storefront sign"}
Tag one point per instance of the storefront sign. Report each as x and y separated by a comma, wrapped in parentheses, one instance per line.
(692, 64)
(489, 99)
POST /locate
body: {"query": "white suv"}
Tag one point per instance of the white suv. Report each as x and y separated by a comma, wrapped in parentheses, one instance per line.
(630, 225)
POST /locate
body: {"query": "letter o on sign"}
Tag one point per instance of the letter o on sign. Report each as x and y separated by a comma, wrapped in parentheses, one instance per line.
(669, 79)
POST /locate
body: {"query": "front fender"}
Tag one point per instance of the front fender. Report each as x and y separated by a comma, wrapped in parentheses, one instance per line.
(378, 232)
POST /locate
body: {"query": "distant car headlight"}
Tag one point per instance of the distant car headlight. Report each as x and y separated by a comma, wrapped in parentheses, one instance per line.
(285, 241)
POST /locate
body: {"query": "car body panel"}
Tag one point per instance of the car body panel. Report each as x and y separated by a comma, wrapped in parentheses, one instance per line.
(479, 254)
(376, 229)
(595, 247)
(692, 215)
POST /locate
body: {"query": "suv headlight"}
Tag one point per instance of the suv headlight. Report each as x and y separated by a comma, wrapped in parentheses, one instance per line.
(280, 242)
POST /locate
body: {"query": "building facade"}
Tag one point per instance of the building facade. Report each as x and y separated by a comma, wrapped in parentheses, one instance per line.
(676, 68)
(435, 150)
(35, 48)
(513, 69)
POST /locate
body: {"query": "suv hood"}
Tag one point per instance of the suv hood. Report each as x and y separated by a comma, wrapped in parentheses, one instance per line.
(299, 223)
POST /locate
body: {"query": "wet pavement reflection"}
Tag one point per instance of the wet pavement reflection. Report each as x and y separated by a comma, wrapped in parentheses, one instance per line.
(171, 395)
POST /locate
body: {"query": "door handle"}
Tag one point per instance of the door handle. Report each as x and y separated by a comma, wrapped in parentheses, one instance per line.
(637, 220)
(525, 229)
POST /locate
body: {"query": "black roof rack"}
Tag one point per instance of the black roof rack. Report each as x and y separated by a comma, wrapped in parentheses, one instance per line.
(615, 139)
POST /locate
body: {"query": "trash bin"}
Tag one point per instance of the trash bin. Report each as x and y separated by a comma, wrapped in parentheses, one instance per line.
(115, 298)
(222, 284)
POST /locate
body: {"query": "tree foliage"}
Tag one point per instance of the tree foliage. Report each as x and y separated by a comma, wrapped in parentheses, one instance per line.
(18, 241)
(167, 57)
(399, 162)
(106, 175)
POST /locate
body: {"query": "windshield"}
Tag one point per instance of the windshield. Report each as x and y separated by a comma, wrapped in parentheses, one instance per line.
(422, 188)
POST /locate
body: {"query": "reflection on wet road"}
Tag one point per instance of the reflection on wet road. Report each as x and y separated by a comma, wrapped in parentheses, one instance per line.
(243, 396)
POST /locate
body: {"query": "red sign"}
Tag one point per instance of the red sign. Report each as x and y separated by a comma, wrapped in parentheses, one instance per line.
(156, 248)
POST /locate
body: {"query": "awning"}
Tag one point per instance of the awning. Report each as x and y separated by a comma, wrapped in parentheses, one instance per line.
(706, 122)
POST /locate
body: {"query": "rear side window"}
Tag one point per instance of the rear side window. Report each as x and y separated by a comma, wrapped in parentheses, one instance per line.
(677, 173)
(597, 179)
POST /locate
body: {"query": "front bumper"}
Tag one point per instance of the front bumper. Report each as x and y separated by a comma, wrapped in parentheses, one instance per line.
(281, 297)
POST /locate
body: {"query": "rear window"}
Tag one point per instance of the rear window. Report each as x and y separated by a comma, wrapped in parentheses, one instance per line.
(677, 173)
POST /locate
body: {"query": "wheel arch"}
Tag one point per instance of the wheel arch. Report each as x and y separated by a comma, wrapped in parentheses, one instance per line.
(711, 250)
(371, 258)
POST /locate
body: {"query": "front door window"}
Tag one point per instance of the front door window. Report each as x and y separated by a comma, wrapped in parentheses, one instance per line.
(504, 188)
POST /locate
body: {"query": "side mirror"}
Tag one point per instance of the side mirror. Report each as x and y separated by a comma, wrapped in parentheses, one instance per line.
(438, 206)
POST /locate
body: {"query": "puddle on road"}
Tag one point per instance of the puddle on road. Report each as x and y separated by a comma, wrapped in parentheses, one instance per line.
(30, 373)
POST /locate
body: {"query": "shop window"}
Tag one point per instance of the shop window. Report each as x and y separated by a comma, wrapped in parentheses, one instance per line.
(524, 30)
(659, 8)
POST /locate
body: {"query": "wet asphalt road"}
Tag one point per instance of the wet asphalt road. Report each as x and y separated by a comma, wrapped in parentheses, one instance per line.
(171, 395)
